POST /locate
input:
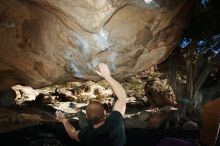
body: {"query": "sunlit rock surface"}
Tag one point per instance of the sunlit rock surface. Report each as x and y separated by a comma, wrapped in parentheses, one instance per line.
(37, 106)
(44, 42)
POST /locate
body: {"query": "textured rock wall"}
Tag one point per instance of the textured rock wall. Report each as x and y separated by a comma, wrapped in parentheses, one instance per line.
(44, 42)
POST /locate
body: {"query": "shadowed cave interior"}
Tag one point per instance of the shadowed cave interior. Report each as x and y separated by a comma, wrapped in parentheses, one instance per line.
(166, 88)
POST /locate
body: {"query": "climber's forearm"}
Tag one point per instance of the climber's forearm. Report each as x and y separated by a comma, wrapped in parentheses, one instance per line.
(71, 130)
(120, 104)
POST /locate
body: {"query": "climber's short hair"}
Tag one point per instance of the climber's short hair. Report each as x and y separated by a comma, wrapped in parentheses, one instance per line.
(95, 112)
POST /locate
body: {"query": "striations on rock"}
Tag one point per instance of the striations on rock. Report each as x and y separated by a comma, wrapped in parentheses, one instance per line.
(45, 42)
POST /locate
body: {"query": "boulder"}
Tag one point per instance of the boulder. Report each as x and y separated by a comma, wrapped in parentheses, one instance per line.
(190, 125)
(45, 42)
(7, 98)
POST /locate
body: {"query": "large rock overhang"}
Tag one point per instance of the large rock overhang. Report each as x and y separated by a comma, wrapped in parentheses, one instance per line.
(46, 42)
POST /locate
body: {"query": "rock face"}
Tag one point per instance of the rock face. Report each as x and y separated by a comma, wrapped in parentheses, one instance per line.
(37, 106)
(44, 42)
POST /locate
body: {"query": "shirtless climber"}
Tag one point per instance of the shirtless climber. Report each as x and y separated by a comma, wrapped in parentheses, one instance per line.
(103, 131)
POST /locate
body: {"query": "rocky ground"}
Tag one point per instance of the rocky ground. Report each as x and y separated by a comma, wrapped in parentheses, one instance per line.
(151, 103)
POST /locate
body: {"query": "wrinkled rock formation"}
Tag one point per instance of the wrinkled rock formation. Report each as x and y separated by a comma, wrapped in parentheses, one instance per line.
(44, 42)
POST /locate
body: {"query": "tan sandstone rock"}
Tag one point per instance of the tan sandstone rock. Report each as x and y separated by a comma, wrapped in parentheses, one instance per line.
(45, 42)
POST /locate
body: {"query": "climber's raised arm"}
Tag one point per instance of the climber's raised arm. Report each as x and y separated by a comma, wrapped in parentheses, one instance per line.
(120, 104)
